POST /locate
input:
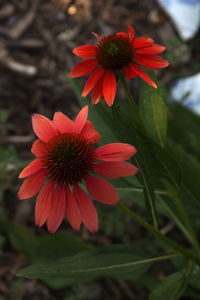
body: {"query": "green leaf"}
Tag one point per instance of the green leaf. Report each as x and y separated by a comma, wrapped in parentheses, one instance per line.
(184, 128)
(189, 167)
(192, 206)
(153, 113)
(171, 288)
(43, 248)
(195, 277)
(128, 129)
(119, 262)
(164, 206)
(166, 164)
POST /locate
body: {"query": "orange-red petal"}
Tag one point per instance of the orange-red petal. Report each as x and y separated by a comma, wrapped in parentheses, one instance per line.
(43, 127)
(80, 120)
(85, 51)
(92, 80)
(115, 152)
(141, 42)
(62, 122)
(38, 148)
(72, 210)
(43, 204)
(109, 87)
(57, 211)
(114, 169)
(131, 32)
(83, 68)
(87, 210)
(98, 37)
(129, 73)
(142, 74)
(122, 34)
(97, 91)
(32, 185)
(151, 61)
(32, 168)
(90, 133)
(152, 49)
(102, 190)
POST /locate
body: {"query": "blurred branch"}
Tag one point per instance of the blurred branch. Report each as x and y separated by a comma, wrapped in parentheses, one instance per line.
(12, 64)
(21, 139)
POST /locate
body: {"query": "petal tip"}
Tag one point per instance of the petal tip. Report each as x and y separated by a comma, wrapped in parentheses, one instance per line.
(20, 196)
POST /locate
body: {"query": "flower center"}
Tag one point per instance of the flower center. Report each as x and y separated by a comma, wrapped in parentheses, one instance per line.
(114, 52)
(69, 158)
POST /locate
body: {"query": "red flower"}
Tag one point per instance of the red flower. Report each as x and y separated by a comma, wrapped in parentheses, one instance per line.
(120, 51)
(65, 158)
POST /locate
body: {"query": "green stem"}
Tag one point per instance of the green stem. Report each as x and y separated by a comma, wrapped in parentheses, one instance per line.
(186, 222)
(148, 196)
(130, 99)
(176, 220)
(175, 196)
(157, 233)
(147, 190)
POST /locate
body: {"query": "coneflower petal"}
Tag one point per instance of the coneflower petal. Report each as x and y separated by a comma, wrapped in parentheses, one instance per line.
(87, 210)
(131, 32)
(38, 148)
(151, 61)
(141, 42)
(62, 122)
(32, 185)
(114, 169)
(85, 51)
(152, 49)
(57, 211)
(72, 210)
(109, 87)
(43, 127)
(115, 152)
(142, 74)
(92, 80)
(97, 91)
(83, 68)
(90, 133)
(80, 120)
(129, 73)
(102, 190)
(43, 204)
(32, 168)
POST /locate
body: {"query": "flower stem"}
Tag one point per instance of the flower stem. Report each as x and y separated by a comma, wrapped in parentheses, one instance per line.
(147, 189)
(185, 219)
(157, 233)
(130, 99)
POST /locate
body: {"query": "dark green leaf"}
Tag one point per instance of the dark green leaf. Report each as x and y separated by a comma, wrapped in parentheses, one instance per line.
(153, 112)
(189, 167)
(171, 288)
(120, 262)
(184, 128)
(43, 248)
(195, 277)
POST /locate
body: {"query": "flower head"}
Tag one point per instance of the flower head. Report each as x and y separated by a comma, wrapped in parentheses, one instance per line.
(65, 158)
(114, 53)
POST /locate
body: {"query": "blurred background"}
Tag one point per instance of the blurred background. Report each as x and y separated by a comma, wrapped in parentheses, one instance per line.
(36, 42)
